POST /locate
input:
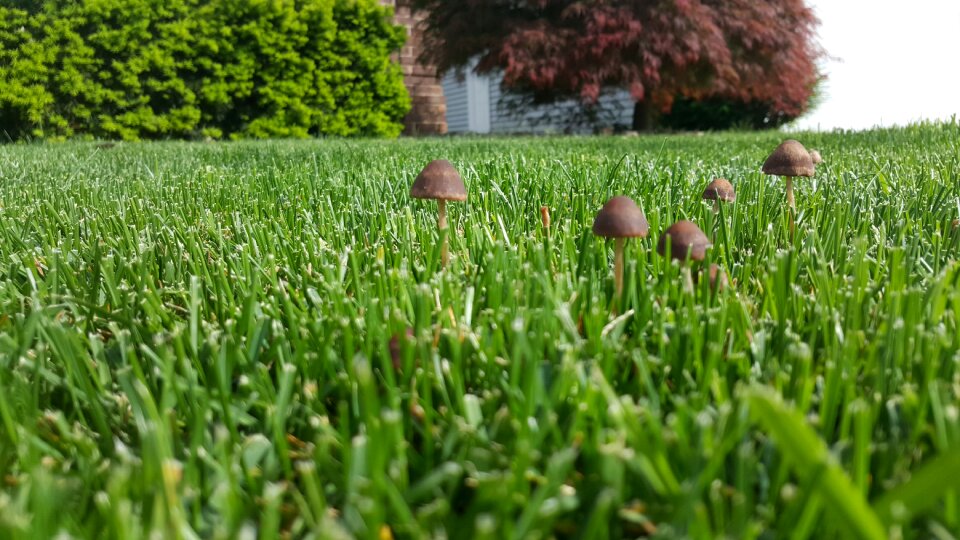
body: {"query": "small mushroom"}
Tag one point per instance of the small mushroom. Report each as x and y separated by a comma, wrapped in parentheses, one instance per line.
(815, 157)
(440, 181)
(620, 218)
(545, 219)
(789, 160)
(720, 190)
(687, 242)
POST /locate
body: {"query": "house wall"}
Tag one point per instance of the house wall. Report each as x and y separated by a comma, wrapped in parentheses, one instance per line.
(458, 104)
(428, 113)
(614, 109)
(475, 95)
(468, 102)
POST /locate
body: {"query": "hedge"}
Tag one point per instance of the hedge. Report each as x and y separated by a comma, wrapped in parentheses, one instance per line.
(134, 69)
(721, 114)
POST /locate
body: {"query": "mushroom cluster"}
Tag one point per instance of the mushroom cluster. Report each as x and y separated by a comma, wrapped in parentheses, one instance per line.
(621, 218)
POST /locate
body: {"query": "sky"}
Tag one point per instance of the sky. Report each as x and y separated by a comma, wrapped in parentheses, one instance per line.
(891, 62)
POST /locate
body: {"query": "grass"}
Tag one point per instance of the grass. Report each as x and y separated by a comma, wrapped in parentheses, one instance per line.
(199, 340)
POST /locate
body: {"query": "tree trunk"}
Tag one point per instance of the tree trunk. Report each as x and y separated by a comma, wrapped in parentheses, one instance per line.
(643, 116)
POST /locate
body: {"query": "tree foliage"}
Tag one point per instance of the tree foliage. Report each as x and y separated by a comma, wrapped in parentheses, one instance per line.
(186, 68)
(739, 51)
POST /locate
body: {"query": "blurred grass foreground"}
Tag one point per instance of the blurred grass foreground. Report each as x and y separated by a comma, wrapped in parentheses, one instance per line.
(258, 340)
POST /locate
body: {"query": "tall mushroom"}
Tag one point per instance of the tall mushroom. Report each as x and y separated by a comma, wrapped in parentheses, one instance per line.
(440, 181)
(620, 219)
(720, 190)
(789, 160)
(687, 242)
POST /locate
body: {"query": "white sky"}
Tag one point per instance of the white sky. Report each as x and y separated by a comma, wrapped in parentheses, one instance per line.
(893, 61)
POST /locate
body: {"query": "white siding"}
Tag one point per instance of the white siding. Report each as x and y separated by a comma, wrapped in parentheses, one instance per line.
(478, 94)
(620, 103)
(507, 116)
(458, 108)
(476, 97)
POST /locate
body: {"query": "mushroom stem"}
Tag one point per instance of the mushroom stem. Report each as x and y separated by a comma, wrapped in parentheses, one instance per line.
(618, 265)
(716, 206)
(442, 220)
(791, 203)
(442, 226)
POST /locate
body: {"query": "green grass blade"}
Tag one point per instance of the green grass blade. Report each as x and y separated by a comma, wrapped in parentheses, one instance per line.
(923, 490)
(809, 457)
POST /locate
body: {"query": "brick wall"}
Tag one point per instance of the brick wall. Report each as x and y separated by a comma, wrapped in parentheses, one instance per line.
(429, 111)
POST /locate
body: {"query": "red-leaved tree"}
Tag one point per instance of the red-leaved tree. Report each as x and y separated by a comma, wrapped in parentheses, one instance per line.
(746, 51)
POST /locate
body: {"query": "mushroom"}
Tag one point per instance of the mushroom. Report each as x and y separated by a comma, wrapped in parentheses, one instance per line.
(620, 218)
(439, 180)
(789, 160)
(687, 242)
(815, 157)
(720, 190)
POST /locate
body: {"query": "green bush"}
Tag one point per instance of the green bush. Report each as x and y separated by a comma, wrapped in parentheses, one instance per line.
(136, 69)
(720, 114)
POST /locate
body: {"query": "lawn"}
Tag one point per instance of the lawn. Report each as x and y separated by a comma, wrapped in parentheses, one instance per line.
(257, 339)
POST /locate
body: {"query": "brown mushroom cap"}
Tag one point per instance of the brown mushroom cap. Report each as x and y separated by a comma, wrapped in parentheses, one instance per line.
(621, 218)
(815, 157)
(439, 180)
(720, 190)
(687, 241)
(789, 159)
